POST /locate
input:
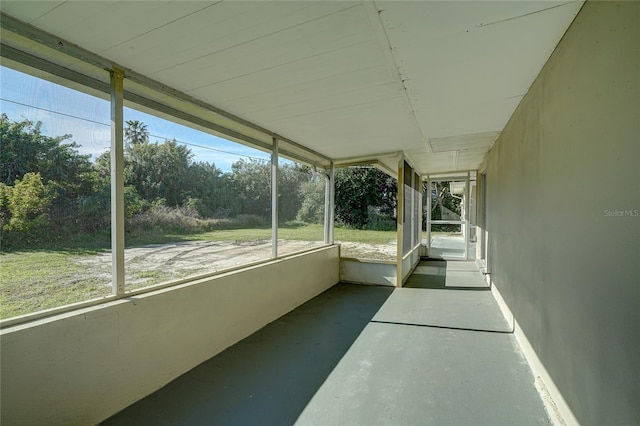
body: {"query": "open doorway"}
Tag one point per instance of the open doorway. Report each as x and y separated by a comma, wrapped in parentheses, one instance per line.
(450, 216)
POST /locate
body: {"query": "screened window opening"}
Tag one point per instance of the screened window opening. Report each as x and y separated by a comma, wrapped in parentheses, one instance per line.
(195, 203)
(366, 207)
(301, 202)
(411, 221)
(54, 195)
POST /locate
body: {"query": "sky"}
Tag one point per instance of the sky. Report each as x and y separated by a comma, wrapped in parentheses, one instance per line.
(66, 111)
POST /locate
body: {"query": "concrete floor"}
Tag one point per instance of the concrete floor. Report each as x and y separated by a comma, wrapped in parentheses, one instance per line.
(435, 352)
(450, 247)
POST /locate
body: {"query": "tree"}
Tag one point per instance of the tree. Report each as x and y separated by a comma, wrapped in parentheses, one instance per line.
(20, 149)
(361, 189)
(136, 132)
(44, 178)
(158, 170)
(166, 171)
(291, 179)
(209, 190)
(313, 198)
(251, 185)
(443, 202)
(26, 150)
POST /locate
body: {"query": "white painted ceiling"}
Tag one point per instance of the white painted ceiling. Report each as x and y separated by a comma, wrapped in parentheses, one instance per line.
(435, 80)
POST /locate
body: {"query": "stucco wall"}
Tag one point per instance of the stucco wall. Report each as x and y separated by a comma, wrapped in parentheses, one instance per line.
(378, 272)
(82, 367)
(565, 262)
(409, 262)
(369, 272)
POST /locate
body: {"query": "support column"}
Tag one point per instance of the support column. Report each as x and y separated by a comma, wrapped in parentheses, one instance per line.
(414, 219)
(274, 199)
(117, 182)
(420, 210)
(400, 218)
(428, 222)
(329, 206)
(467, 215)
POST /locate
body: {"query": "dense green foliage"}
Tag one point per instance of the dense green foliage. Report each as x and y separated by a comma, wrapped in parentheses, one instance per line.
(313, 197)
(43, 180)
(365, 198)
(29, 201)
(50, 192)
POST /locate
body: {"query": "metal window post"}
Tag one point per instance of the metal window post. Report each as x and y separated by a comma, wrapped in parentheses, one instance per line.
(274, 199)
(329, 206)
(420, 195)
(428, 222)
(117, 181)
(413, 209)
(411, 215)
(400, 218)
(467, 215)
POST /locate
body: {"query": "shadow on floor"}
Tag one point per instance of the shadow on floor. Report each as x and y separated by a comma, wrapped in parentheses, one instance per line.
(269, 377)
(436, 274)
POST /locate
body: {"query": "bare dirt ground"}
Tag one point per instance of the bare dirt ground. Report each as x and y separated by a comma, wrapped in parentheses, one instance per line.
(153, 264)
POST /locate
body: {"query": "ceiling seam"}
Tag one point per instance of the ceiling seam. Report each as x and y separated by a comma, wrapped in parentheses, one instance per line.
(305, 84)
(275, 66)
(161, 26)
(48, 11)
(475, 27)
(253, 39)
(524, 15)
(322, 111)
(318, 98)
(378, 27)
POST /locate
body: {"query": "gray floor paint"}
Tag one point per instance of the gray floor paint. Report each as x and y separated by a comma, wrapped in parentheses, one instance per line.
(436, 352)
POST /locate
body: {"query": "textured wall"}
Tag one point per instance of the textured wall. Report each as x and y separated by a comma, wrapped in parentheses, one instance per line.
(563, 193)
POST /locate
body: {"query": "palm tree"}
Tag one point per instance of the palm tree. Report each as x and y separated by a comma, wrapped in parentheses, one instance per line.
(136, 132)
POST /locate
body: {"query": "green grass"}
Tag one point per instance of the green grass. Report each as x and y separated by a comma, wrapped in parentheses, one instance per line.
(38, 280)
(54, 275)
(148, 278)
(312, 232)
(364, 236)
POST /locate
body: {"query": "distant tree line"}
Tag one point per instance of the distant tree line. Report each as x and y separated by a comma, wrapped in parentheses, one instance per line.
(48, 190)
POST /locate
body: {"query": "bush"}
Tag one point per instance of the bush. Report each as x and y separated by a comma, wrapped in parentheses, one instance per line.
(246, 221)
(94, 211)
(312, 208)
(164, 218)
(377, 221)
(186, 220)
(28, 203)
(25, 210)
(5, 215)
(133, 203)
(198, 206)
